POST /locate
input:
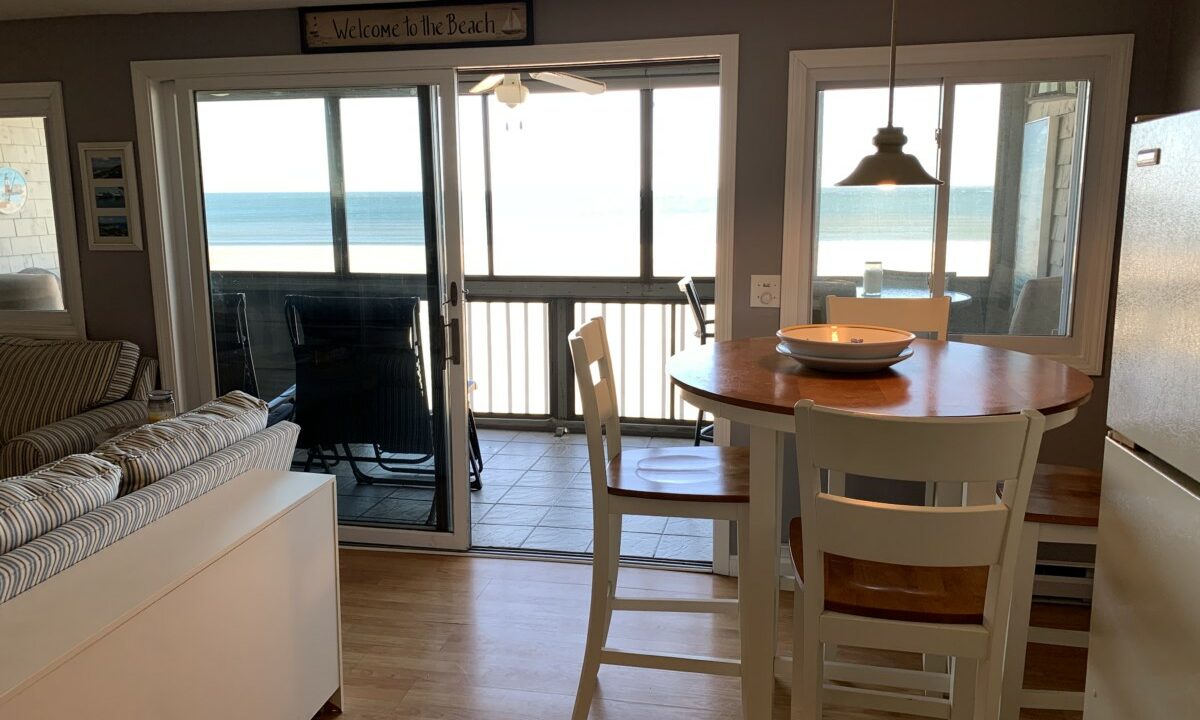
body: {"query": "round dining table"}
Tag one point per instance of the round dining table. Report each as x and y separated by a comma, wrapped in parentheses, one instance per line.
(748, 382)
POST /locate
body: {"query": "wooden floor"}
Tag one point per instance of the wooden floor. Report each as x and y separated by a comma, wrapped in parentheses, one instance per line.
(459, 638)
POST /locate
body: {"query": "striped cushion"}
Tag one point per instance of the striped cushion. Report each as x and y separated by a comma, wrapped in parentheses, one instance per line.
(44, 381)
(34, 504)
(43, 558)
(145, 379)
(152, 452)
(76, 434)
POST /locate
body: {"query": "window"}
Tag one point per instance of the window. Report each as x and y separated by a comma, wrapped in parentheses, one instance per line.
(39, 271)
(266, 183)
(312, 181)
(686, 125)
(1019, 235)
(622, 184)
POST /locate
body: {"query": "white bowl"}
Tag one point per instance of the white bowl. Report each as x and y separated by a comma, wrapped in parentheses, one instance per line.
(844, 341)
(846, 365)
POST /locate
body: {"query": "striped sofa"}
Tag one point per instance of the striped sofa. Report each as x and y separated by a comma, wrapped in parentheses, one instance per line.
(150, 471)
(56, 395)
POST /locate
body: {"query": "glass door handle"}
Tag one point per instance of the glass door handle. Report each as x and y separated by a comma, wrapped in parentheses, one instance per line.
(455, 344)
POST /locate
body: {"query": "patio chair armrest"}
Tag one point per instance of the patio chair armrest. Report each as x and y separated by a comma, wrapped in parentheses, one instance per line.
(288, 395)
(76, 434)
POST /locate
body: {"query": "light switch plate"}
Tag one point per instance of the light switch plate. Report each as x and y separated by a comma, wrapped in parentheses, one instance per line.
(764, 291)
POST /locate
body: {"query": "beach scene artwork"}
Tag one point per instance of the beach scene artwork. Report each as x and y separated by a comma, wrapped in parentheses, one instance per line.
(107, 168)
(110, 187)
(13, 191)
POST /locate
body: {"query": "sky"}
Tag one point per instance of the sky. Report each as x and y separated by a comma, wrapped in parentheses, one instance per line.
(278, 145)
(851, 117)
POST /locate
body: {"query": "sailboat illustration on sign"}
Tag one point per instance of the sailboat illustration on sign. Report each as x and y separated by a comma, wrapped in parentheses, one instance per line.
(512, 24)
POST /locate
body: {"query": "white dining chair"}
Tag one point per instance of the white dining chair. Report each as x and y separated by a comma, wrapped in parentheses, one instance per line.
(696, 482)
(1064, 509)
(901, 577)
(916, 315)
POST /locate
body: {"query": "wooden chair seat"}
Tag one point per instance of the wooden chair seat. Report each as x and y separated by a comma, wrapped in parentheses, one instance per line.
(1064, 495)
(897, 592)
(695, 474)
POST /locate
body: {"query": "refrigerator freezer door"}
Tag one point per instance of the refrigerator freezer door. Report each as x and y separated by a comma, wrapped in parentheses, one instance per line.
(1154, 396)
(1144, 650)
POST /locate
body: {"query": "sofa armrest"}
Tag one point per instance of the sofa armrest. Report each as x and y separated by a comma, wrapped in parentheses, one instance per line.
(74, 435)
(145, 379)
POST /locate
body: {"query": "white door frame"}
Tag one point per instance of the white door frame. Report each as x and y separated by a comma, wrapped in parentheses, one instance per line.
(197, 379)
(182, 339)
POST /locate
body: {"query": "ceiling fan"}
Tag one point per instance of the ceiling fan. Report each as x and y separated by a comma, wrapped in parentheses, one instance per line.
(512, 93)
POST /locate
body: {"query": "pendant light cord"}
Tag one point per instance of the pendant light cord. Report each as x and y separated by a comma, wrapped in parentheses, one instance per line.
(892, 67)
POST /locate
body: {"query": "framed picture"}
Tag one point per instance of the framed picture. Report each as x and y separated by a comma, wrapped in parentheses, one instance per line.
(110, 196)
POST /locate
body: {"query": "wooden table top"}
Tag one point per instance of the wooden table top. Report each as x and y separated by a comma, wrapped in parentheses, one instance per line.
(941, 379)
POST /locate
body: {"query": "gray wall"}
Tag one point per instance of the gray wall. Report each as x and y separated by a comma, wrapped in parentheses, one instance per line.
(1184, 70)
(91, 56)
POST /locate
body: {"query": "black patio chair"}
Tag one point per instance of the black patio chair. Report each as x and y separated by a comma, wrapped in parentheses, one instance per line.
(705, 332)
(360, 380)
(235, 359)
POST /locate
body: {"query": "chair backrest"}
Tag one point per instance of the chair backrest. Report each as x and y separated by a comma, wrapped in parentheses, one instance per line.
(231, 344)
(916, 315)
(822, 289)
(988, 450)
(598, 396)
(688, 286)
(1038, 307)
(910, 280)
(360, 372)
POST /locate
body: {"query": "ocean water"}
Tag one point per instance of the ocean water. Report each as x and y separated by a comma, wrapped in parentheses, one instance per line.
(845, 214)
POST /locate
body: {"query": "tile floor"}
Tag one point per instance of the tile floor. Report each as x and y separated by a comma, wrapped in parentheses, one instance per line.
(536, 495)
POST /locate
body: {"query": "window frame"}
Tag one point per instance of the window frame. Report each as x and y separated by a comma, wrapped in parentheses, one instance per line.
(45, 98)
(1103, 60)
(645, 272)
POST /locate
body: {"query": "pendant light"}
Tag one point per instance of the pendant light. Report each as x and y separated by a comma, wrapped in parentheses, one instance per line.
(890, 165)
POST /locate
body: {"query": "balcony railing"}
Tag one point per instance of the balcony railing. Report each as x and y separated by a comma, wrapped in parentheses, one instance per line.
(516, 339)
(518, 355)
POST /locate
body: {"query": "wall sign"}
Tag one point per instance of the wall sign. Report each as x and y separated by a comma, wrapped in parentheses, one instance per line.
(415, 25)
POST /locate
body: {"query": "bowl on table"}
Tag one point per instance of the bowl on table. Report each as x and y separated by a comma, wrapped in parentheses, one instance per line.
(843, 341)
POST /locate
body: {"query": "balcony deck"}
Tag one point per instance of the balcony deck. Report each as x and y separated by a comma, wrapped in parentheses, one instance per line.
(536, 496)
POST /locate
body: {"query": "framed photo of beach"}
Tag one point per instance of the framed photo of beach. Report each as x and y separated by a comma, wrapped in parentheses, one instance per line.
(109, 185)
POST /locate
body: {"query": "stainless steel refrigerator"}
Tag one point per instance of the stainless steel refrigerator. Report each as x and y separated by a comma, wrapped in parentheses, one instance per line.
(1144, 654)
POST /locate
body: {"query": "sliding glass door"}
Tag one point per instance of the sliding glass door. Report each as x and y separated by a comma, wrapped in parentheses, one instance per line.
(331, 258)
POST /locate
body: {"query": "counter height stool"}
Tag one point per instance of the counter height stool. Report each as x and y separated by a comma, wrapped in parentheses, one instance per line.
(907, 578)
(1064, 507)
(697, 482)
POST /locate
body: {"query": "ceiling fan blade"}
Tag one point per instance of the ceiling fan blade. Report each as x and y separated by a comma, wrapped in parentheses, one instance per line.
(486, 84)
(570, 82)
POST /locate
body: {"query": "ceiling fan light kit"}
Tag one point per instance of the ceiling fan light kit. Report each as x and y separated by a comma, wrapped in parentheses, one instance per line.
(512, 92)
(889, 165)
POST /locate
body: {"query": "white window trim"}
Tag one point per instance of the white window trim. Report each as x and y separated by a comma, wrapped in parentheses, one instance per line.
(22, 99)
(1103, 59)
